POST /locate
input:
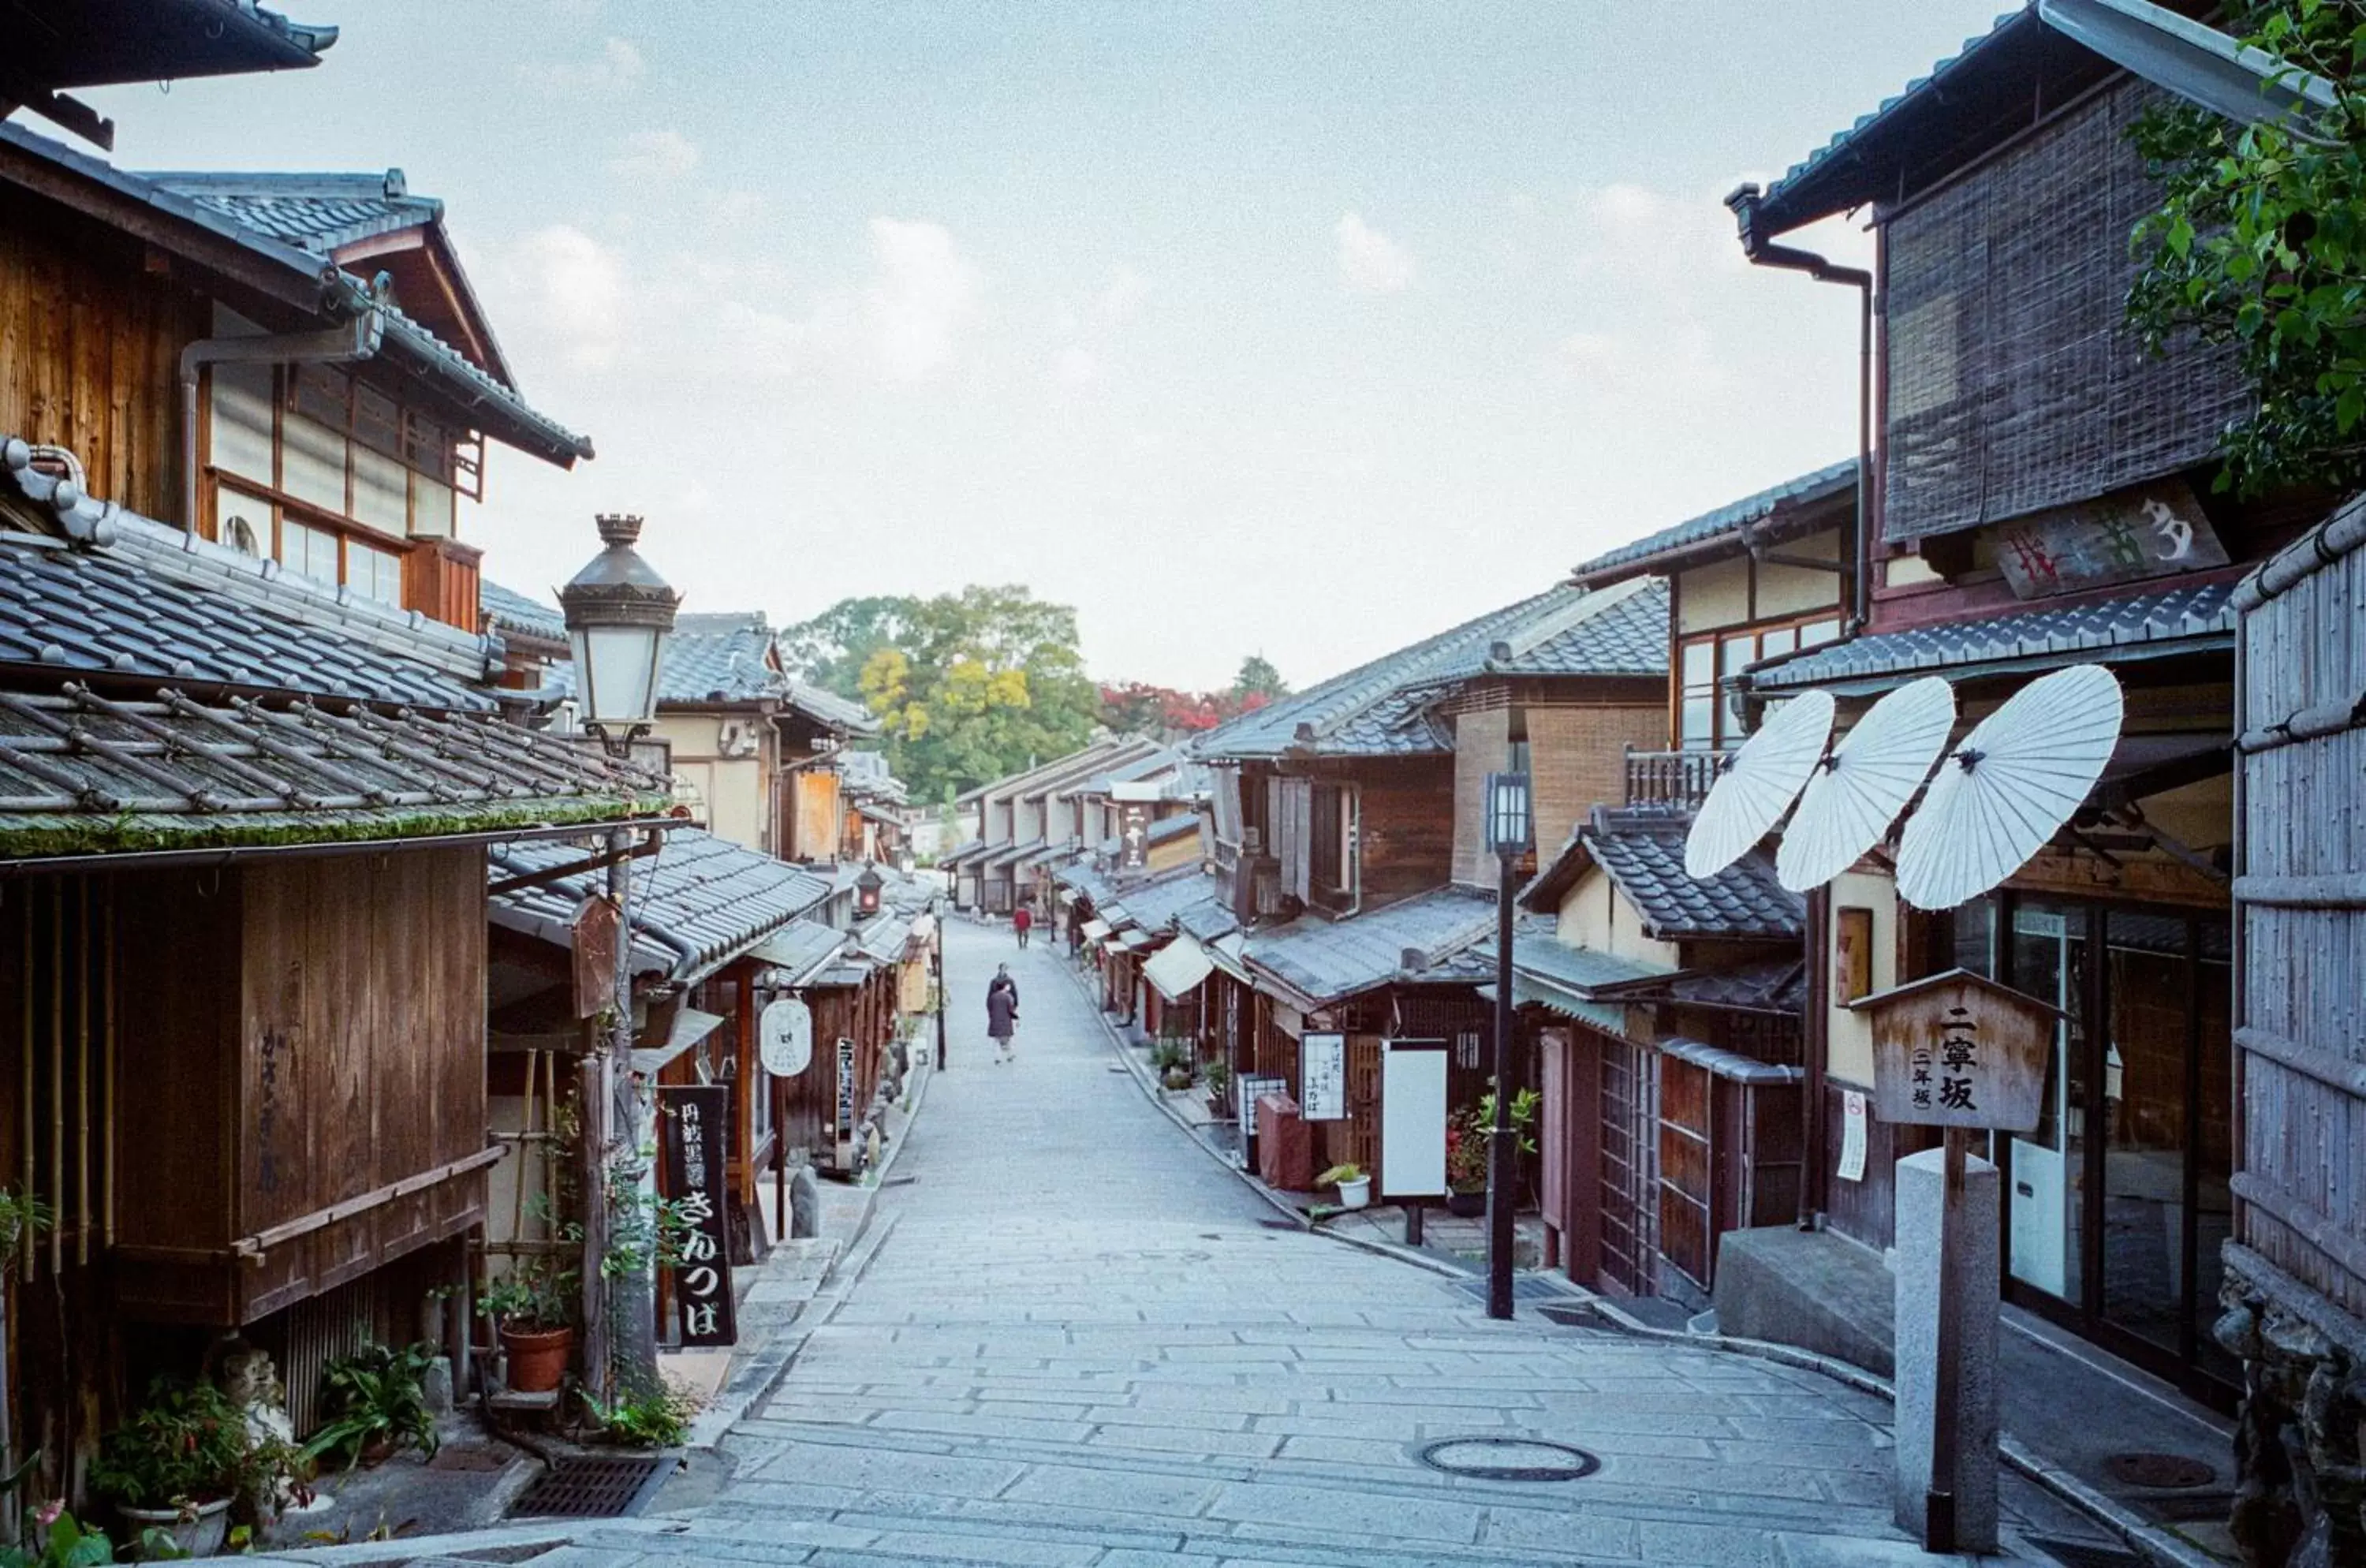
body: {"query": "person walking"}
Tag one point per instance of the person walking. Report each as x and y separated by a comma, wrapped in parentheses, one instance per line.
(1002, 1013)
(1022, 921)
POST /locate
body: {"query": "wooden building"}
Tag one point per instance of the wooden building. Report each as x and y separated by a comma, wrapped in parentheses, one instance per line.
(1016, 817)
(2042, 495)
(243, 824)
(1345, 825)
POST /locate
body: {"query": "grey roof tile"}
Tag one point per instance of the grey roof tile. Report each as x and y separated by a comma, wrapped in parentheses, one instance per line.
(161, 602)
(1643, 852)
(319, 212)
(515, 612)
(1832, 479)
(1160, 901)
(1326, 961)
(698, 904)
(1381, 708)
(2150, 623)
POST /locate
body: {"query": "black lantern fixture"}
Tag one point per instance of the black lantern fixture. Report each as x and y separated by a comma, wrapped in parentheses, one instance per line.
(1511, 833)
(866, 890)
(619, 613)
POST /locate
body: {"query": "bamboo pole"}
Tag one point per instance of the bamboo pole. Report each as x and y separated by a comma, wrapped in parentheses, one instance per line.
(57, 1068)
(82, 1072)
(26, 1158)
(107, 1063)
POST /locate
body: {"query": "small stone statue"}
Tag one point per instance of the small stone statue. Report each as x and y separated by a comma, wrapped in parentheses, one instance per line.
(804, 1203)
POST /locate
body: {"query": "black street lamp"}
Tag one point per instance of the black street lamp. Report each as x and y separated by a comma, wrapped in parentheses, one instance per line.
(619, 613)
(1511, 833)
(866, 891)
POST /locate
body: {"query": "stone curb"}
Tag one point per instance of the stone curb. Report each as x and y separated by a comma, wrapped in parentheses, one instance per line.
(753, 1378)
(2143, 1536)
(543, 1535)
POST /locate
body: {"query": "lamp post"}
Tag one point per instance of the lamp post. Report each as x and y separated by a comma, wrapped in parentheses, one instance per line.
(1511, 833)
(867, 889)
(619, 613)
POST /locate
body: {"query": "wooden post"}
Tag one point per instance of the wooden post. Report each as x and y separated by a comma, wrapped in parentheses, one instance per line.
(1939, 1510)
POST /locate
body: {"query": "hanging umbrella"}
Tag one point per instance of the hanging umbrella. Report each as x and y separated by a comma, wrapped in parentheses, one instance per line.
(1851, 801)
(2000, 797)
(1760, 784)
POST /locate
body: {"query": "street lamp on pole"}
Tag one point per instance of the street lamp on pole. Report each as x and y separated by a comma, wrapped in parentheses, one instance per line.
(619, 613)
(1511, 834)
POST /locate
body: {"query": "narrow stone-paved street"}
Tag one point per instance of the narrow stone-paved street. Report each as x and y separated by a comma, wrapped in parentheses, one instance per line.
(1074, 1339)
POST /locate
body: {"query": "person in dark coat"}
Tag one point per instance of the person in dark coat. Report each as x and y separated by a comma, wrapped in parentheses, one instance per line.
(1002, 1013)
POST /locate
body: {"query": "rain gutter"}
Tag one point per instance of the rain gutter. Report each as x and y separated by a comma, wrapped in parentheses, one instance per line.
(344, 343)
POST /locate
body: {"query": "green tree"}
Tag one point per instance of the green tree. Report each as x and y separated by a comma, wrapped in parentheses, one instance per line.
(968, 686)
(1258, 679)
(2260, 244)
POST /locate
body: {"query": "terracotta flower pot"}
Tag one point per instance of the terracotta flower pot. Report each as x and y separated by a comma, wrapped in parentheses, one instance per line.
(537, 1358)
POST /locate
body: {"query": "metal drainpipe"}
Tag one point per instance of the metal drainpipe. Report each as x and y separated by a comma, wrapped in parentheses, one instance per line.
(344, 343)
(1744, 204)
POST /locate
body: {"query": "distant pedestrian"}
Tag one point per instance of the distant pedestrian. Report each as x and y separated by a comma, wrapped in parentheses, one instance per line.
(1002, 1013)
(1022, 921)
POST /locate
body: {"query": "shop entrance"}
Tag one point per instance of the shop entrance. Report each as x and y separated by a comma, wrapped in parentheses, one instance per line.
(2117, 1200)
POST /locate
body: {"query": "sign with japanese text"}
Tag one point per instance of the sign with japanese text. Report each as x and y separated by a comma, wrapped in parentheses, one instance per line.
(785, 1033)
(2154, 531)
(1322, 1077)
(596, 941)
(843, 1125)
(1958, 1050)
(694, 1118)
(1853, 1136)
(1133, 836)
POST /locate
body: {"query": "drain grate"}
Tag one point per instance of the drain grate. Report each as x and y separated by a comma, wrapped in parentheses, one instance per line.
(1507, 1459)
(581, 1488)
(1524, 1288)
(2085, 1554)
(2159, 1471)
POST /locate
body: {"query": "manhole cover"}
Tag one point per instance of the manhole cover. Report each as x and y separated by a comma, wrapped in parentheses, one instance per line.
(2160, 1472)
(577, 1488)
(1507, 1459)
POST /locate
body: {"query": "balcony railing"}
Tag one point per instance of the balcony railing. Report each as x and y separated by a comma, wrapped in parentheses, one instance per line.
(1671, 778)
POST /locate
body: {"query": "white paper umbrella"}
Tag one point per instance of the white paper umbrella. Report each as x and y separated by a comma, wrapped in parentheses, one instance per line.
(2000, 795)
(1852, 800)
(1760, 783)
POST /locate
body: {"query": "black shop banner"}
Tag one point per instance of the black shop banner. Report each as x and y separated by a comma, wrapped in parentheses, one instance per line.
(695, 1118)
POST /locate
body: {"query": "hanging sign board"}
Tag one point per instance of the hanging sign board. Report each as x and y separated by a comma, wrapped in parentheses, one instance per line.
(1958, 1050)
(785, 1037)
(842, 1127)
(593, 938)
(1413, 1118)
(694, 1118)
(1322, 1077)
(2150, 531)
(1134, 835)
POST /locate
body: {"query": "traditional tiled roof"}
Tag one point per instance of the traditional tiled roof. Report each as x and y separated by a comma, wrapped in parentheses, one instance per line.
(1326, 961)
(81, 773)
(1381, 708)
(1159, 902)
(883, 936)
(831, 710)
(1168, 830)
(2152, 624)
(966, 850)
(492, 404)
(1088, 881)
(320, 212)
(1003, 858)
(698, 904)
(514, 613)
(1696, 533)
(1207, 919)
(1643, 850)
(866, 776)
(79, 43)
(720, 658)
(798, 949)
(160, 603)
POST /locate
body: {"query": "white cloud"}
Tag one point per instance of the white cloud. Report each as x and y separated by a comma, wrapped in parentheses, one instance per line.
(1369, 262)
(1122, 300)
(617, 68)
(655, 155)
(1076, 367)
(924, 294)
(577, 291)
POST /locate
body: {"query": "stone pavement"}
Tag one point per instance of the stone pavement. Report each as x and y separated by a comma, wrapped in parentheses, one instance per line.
(1073, 1339)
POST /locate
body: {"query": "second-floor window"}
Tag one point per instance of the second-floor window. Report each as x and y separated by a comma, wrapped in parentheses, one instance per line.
(1708, 717)
(1331, 847)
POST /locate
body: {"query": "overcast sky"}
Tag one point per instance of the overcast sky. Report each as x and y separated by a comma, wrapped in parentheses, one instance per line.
(1299, 329)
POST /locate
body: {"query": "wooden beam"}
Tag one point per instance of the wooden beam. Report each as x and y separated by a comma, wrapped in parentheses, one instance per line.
(252, 1248)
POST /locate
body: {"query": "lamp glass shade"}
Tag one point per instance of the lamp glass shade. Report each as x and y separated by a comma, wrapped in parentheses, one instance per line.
(1511, 823)
(616, 668)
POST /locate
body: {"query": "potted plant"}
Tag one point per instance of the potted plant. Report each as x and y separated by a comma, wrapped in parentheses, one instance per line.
(380, 1399)
(1466, 1166)
(533, 1306)
(1172, 1058)
(57, 1540)
(1218, 1076)
(177, 1463)
(1355, 1187)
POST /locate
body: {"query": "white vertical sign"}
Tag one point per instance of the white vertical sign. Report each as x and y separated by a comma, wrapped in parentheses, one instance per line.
(1322, 1077)
(1413, 1118)
(1852, 1135)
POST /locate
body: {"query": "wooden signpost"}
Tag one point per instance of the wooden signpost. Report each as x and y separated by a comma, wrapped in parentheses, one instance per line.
(1959, 1052)
(695, 1116)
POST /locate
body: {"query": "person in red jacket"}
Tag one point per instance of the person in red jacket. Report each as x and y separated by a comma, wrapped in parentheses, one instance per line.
(1022, 921)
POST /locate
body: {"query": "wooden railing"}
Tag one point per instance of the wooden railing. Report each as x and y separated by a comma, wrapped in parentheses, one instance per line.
(1679, 778)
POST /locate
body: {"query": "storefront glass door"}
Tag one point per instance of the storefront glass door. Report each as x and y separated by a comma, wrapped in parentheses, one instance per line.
(2049, 962)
